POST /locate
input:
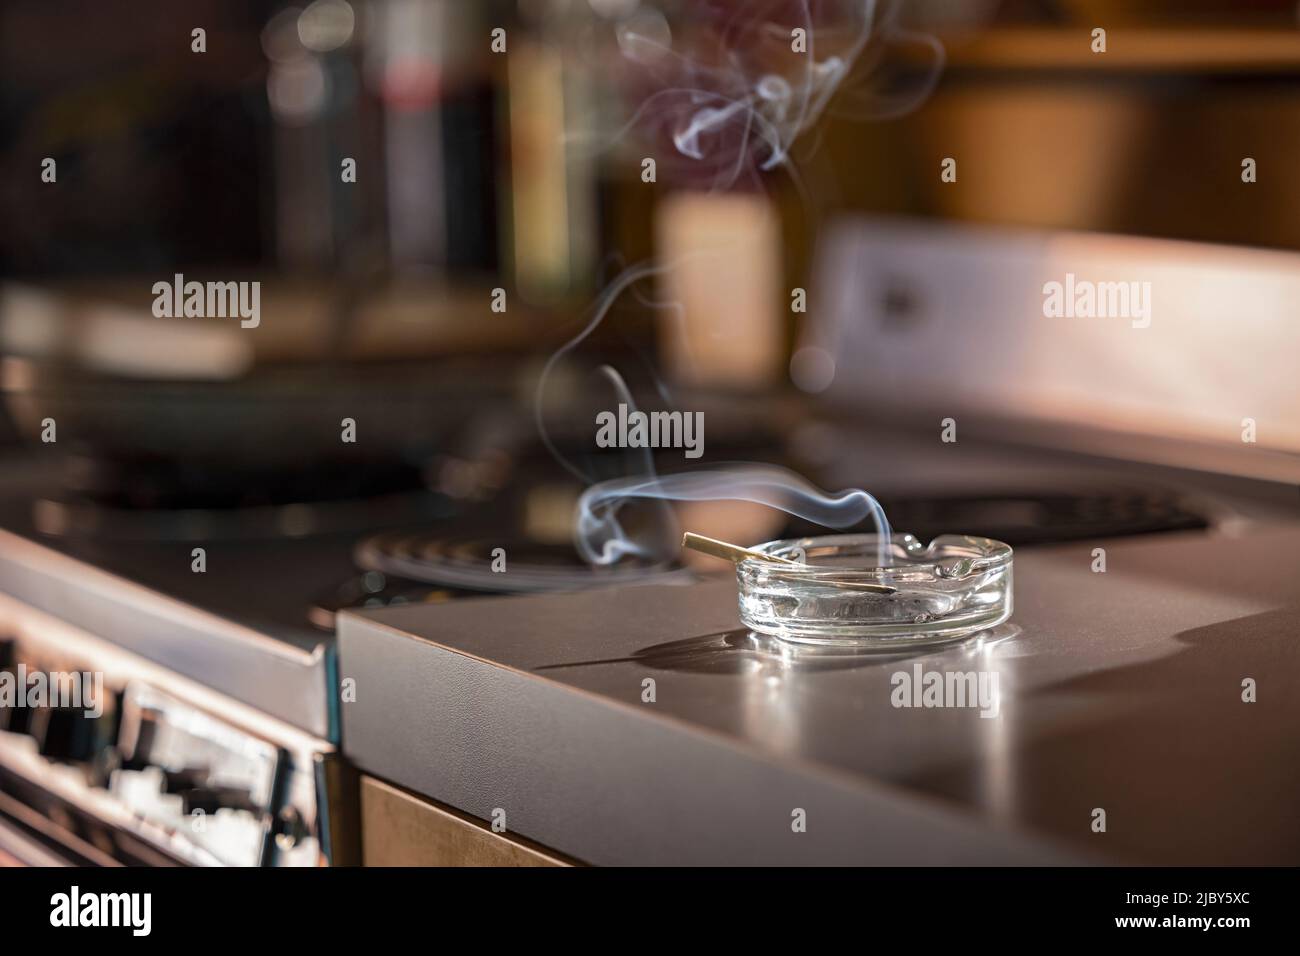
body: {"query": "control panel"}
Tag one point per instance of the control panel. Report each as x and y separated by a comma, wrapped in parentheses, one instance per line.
(114, 754)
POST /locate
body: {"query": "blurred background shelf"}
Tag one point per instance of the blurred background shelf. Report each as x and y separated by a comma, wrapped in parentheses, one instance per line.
(1162, 49)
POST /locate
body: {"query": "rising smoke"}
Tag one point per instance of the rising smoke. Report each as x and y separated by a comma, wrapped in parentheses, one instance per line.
(731, 95)
(728, 98)
(601, 539)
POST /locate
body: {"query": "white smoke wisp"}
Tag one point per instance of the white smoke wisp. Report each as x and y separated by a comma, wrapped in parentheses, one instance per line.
(727, 98)
(753, 76)
(601, 539)
(604, 302)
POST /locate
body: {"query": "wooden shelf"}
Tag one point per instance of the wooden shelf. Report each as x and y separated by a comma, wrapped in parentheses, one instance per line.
(1197, 49)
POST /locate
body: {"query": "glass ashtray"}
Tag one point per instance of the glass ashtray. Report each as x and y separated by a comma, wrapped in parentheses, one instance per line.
(841, 592)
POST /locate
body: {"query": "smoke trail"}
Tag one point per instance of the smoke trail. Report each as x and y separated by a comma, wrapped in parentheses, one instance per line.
(601, 538)
(604, 302)
(748, 78)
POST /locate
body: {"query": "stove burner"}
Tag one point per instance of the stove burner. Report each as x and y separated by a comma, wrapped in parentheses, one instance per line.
(1033, 516)
(76, 518)
(529, 566)
(159, 485)
(95, 497)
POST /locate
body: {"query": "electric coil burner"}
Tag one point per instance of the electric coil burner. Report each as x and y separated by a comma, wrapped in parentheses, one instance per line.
(501, 566)
(95, 498)
(428, 567)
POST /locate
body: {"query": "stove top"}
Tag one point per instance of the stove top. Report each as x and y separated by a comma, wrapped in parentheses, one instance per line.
(257, 622)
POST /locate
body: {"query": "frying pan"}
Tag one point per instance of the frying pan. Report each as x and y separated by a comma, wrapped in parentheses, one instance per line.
(276, 417)
(125, 385)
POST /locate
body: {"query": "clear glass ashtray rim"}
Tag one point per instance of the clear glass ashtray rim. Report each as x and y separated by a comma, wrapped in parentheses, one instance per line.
(952, 568)
(920, 561)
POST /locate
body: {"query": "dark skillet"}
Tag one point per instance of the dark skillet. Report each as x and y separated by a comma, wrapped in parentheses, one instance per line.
(272, 416)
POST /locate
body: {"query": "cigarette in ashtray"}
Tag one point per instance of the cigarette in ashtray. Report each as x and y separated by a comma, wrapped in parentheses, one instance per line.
(735, 554)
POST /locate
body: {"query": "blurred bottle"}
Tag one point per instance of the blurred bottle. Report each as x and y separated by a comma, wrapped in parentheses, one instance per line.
(429, 60)
(314, 93)
(553, 176)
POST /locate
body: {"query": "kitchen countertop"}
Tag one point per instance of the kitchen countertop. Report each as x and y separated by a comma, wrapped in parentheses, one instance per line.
(1119, 691)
